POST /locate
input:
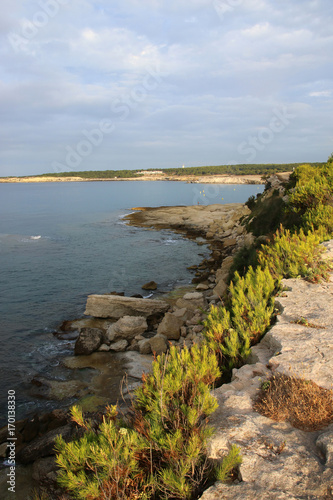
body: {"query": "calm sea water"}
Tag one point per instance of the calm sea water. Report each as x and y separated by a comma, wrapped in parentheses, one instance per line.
(60, 242)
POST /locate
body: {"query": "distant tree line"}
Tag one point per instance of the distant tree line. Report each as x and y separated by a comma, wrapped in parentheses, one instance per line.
(242, 169)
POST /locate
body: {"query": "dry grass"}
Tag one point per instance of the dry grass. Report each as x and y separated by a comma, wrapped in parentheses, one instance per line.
(301, 402)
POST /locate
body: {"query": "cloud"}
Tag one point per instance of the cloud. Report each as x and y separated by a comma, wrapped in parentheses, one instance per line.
(181, 82)
(321, 93)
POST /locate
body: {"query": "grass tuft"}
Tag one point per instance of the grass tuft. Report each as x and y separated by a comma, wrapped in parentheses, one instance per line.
(300, 402)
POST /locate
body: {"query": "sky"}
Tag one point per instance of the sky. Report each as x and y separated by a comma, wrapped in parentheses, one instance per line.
(137, 84)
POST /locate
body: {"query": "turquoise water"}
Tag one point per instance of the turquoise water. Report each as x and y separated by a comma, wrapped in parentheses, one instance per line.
(60, 242)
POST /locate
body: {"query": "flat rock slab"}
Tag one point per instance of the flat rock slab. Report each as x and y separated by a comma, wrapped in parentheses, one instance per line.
(301, 350)
(279, 461)
(195, 217)
(114, 306)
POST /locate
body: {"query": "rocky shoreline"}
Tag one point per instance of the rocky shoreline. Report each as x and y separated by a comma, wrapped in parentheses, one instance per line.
(206, 179)
(279, 461)
(134, 328)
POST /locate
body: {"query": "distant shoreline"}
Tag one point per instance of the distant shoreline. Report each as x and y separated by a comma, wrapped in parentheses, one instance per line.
(203, 179)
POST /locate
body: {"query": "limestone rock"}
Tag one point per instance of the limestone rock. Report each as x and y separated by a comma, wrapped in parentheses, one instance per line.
(144, 346)
(44, 445)
(183, 331)
(119, 346)
(230, 242)
(313, 345)
(202, 287)
(183, 313)
(192, 301)
(279, 461)
(221, 288)
(170, 326)
(127, 328)
(88, 341)
(104, 348)
(114, 306)
(43, 467)
(151, 285)
(158, 344)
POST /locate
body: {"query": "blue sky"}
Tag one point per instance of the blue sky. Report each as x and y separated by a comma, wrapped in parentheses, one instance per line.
(94, 85)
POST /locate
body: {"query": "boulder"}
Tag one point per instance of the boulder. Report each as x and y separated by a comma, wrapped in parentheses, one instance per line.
(151, 285)
(144, 346)
(158, 344)
(202, 287)
(230, 242)
(43, 468)
(191, 301)
(183, 313)
(170, 326)
(113, 306)
(127, 328)
(104, 348)
(221, 288)
(44, 445)
(119, 346)
(89, 341)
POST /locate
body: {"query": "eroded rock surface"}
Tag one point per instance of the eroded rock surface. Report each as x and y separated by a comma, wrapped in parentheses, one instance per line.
(114, 306)
(279, 461)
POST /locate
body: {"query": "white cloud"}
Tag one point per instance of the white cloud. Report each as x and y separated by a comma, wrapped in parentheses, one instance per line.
(322, 93)
(218, 80)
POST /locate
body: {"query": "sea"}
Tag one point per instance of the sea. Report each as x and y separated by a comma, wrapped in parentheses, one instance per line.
(60, 242)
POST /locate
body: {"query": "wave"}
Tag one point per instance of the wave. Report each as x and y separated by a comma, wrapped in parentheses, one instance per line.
(170, 241)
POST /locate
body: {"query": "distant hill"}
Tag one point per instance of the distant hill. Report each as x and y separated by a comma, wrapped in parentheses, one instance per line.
(242, 169)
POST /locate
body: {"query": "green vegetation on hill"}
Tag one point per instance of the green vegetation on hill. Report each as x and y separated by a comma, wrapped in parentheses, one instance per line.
(242, 169)
(160, 450)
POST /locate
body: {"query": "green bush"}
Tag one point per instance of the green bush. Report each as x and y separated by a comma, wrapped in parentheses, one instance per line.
(252, 302)
(312, 197)
(231, 330)
(104, 464)
(171, 408)
(293, 255)
(160, 451)
(232, 347)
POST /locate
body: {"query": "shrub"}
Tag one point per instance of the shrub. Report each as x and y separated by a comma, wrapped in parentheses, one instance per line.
(230, 331)
(250, 203)
(312, 196)
(171, 410)
(266, 215)
(252, 302)
(292, 255)
(301, 402)
(160, 451)
(232, 347)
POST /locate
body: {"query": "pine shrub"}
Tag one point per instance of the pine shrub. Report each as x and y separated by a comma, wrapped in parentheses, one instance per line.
(252, 302)
(293, 255)
(312, 197)
(230, 331)
(171, 409)
(160, 451)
